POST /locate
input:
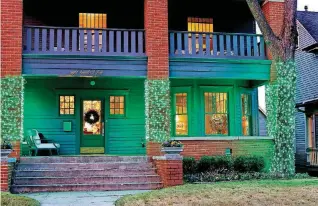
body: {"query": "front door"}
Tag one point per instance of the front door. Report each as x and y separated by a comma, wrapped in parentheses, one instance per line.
(92, 127)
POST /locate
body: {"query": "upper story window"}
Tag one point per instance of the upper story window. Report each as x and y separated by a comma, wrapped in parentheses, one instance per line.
(200, 24)
(246, 114)
(216, 113)
(67, 105)
(92, 20)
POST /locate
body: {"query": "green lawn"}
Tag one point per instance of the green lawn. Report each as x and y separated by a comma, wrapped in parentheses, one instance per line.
(8, 199)
(260, 192)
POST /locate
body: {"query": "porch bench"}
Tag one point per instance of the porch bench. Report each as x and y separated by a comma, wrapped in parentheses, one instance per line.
(35, 144)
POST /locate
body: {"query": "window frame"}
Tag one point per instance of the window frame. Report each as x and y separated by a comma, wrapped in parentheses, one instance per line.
(253, 92)
(117, 116)
(230, 108)
(59, 105)
(251, 124)
(174, 91)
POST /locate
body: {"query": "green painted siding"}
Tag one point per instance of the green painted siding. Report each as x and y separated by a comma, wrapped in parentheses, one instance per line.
(123, 135)
(196, 87)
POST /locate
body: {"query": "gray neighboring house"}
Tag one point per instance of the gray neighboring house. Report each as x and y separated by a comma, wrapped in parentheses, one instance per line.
(262, 122)
(307, 91)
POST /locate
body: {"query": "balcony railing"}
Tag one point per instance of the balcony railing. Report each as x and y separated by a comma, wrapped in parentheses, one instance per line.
(312, 157)
(216, 45)
(83, 41)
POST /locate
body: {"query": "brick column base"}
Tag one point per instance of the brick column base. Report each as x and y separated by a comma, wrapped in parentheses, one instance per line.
(16, 150)
(153, 149)
(4, 176)
(170, 170)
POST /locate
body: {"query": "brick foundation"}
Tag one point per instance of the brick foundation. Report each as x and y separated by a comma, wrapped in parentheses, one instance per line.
(199, 148)
(170, 171)
(4, 176)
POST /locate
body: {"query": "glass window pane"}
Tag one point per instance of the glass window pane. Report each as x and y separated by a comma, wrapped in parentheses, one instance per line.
(61, 105)
(66, 105)
(92, 117)
(61, 111)
(216, 124)
(67, 111)
(121, 99)
(121, 111)
(71, 111)
(121, 105)
(67, 98)
(117, 99)
(181, 124)
(71, 98)
(116, 111)
(112, 105)
(112, 99)
(61, 98)
(246, 114)
(112, 111)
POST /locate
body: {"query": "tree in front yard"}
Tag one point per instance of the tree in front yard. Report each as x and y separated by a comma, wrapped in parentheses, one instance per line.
(280, 92)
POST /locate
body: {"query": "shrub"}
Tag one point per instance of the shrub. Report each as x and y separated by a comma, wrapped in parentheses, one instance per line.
(249, 164)
(205, 163)
(223, 163)
(189, 165)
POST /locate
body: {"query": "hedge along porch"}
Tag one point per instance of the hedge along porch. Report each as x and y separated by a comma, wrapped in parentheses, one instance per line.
(55, 107)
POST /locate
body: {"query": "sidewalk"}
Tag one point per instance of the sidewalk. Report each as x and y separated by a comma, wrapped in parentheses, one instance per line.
(94, 198)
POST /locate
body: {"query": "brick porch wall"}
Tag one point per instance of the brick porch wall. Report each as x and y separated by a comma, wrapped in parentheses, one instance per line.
(199, 148)
(170, 171)
(4, 176)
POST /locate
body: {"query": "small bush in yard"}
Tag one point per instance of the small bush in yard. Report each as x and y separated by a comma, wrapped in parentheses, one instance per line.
(249, 164)
(223, 163)
(205, 163)
(189, 165)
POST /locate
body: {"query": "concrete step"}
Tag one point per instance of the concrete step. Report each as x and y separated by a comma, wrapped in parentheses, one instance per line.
(84, 172)
(76, 166)
(85, 187)
(84, 180)
(83, 159)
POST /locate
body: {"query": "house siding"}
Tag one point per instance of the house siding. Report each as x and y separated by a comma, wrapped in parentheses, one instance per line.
(307, 82)
(262, 124)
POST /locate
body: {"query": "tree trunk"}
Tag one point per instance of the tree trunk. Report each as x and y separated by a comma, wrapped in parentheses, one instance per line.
(280, 93)
(280, 104)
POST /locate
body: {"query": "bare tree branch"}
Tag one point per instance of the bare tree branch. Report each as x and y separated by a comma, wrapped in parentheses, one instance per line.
(289, 31)
(272, 40)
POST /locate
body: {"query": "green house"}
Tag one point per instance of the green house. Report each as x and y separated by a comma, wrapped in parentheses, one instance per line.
(88, 68)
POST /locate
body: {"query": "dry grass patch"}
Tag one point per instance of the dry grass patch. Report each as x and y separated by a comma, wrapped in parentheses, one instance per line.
(8, 199)
(266, 192)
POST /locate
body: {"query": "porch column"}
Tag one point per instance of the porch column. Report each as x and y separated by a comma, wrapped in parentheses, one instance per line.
(157, 86)
(11, 47)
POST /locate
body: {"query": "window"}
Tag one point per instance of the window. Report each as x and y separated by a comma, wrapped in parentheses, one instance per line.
(216, 113)
(246, 114)
(67, 105)
(200, 24)
(181, 114)
(91, 20)
(117, 105)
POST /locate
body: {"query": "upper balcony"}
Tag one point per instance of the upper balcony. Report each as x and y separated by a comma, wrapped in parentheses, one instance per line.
(112, 39)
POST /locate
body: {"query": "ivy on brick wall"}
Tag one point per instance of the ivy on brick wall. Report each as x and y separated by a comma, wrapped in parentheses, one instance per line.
(12, 102)
(280, 104)
(157, 110)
